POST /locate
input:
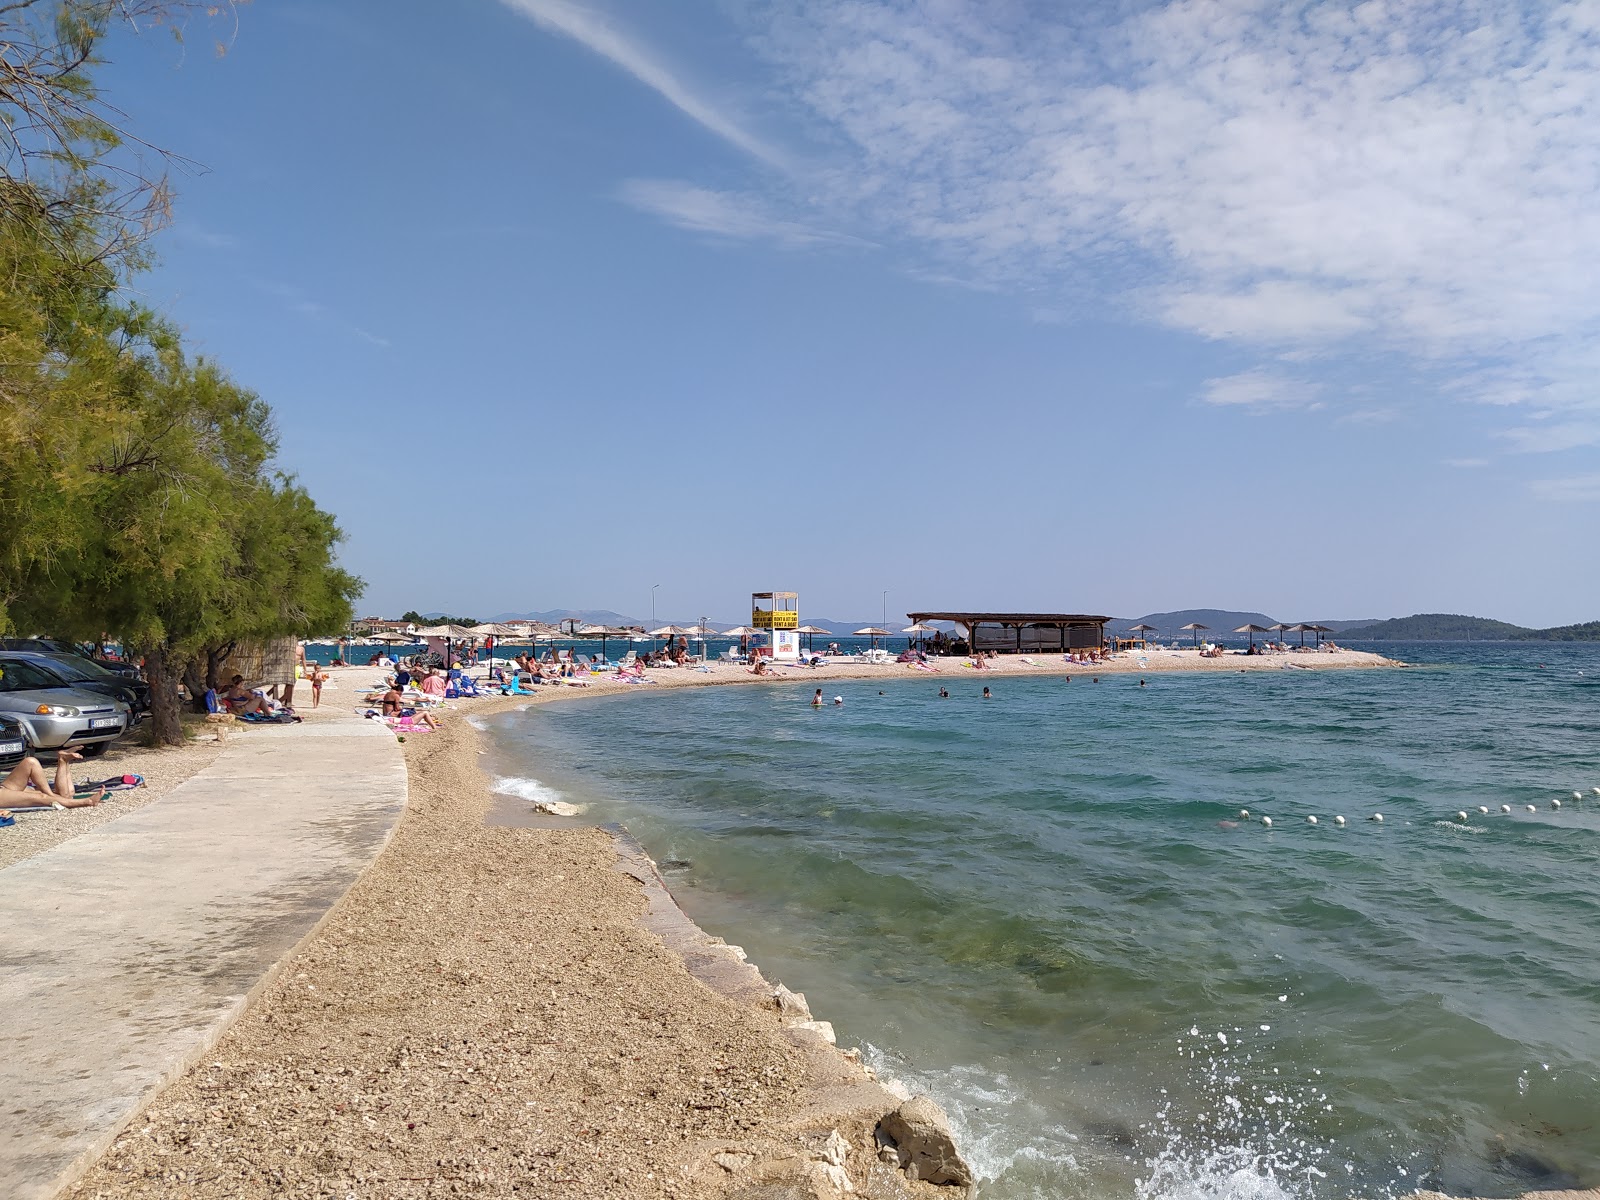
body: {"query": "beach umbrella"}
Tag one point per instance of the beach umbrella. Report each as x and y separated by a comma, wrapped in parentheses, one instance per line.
(602, 632)
(702, 633)
(1252, 630)
(1141, 628)
(390, 639)
(1280, 628)
(873, 632)
(1196, 627)
(1319, 630)
(491, 629)
(918, 628)
(809, 632)
(1302, 629)
(450, 633)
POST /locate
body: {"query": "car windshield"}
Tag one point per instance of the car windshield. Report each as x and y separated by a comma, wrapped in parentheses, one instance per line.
(19, 675)
(71, 667)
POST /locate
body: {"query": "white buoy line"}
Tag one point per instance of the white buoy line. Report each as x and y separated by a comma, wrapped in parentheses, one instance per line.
(1461, 816)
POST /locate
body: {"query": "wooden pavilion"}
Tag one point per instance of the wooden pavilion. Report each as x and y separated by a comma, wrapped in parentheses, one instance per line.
(1025, 633)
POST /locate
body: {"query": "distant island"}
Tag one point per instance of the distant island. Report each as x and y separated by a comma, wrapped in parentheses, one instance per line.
(1453, 627)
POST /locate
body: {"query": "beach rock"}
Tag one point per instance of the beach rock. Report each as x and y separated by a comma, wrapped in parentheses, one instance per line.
(732, 1161)
(823, 1029)
(828, 1181)
(791, 1004)
(921, 1132)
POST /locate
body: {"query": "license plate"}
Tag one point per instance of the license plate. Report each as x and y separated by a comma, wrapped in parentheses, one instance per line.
(105, 723)
(10, 747)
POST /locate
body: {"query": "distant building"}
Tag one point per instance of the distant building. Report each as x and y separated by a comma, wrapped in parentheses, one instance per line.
(369, 625)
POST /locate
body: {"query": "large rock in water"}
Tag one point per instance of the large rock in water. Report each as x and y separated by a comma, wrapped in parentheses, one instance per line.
(921, 1132)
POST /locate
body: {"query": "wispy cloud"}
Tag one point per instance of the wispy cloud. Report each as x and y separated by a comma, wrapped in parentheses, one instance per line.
(1260, 391)
(296, 301)
(1543, 439)
(1336, 179)
(596, 32)
(1466, 464)
(723, 214)
(1577, 489)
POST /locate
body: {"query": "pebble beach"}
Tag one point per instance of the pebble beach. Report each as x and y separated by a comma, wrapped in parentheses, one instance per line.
(492, 1010)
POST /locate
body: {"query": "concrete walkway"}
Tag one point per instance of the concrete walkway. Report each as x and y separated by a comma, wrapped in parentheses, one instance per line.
(126, 952)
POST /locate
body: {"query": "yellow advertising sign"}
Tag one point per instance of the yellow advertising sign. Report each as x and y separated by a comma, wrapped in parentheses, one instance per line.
(762, 618)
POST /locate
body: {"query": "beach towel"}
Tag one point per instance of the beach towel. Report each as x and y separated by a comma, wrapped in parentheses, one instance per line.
(121, 783)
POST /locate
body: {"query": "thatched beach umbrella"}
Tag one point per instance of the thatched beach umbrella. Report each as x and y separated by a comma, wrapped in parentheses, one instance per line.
(1141, 627)
(873, 632)
(1252, 630)
(810, 631)
(919, 629)
(602, 632)
(1196, 627)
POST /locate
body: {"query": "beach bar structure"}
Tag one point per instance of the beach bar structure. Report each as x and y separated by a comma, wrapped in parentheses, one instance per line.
(1024, 633)
(778, 613)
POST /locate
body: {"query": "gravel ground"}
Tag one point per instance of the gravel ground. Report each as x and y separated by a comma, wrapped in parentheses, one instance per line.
(163, 770)
(483, 1013)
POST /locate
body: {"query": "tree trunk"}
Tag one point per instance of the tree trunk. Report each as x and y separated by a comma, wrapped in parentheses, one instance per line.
(161, 672)
(195, 682)
(215, 657)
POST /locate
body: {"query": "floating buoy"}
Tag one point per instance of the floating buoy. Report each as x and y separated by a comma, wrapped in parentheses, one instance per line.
(1244, 812)
(1596, 791)
(1267, 821)
(1461, 816)
(1533, 808)
(1505, 808)
(1556, 804)
(1483, 808)
(1338, 820)
(1311, 820)
(1577, 795)
(1378, 817)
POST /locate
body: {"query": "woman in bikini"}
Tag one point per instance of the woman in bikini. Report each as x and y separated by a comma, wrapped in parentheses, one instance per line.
(57, 792)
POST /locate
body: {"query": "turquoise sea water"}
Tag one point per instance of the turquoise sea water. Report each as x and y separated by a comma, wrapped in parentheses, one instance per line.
(1044, 909)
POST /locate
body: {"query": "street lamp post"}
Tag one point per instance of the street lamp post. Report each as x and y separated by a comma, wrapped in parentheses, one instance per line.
(653, 588)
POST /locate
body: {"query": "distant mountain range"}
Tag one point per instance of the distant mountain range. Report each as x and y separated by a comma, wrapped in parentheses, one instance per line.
(1452, 627)
(1218, 620)
(1423, 627)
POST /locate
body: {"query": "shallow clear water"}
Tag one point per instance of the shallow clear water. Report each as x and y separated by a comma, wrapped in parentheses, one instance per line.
(1045, 910)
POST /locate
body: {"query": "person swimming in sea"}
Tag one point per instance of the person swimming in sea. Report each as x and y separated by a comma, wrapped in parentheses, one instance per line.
(816, 701)
(987, 695)
(944, 693)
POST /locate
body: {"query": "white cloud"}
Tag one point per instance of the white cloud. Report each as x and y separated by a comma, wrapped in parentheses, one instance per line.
(596, 32)
(1543, 439)
(724, 214)
(1260, 391)
(1577, 489)
(1310, 179)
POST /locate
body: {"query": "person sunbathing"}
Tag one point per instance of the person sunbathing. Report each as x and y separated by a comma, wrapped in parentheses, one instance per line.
(241, 701)
(434, 685)
(15, 788)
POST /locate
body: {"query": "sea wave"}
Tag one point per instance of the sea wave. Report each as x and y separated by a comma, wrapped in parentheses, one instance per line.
(545, 799)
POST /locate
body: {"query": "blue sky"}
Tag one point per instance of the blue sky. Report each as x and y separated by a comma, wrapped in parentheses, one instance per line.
(1110, 308)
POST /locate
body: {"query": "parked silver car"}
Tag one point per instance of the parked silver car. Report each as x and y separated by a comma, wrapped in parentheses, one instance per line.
(53, 716)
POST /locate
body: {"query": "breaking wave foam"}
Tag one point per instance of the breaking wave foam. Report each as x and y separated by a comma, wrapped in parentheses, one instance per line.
(545, 799)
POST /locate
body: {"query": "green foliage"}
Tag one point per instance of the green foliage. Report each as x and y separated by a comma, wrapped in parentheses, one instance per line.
(1434, 627)
(137, 486)
(1448, 627)
(417, 618)
(1589, 631)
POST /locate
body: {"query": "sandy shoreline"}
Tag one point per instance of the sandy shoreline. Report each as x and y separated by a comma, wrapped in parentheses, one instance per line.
(493, 1010)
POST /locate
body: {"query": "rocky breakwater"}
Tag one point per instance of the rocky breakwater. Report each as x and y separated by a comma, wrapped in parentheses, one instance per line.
(846, 1132)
